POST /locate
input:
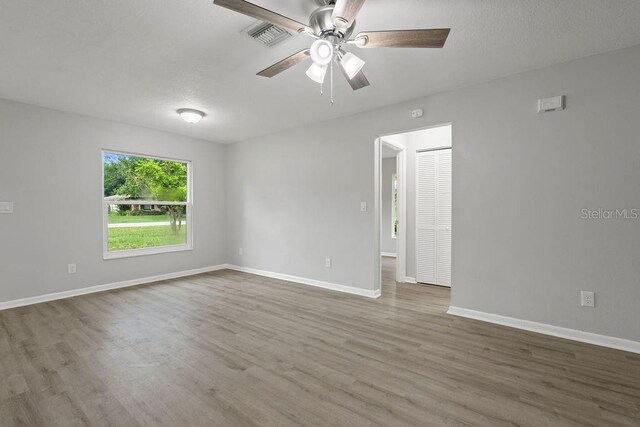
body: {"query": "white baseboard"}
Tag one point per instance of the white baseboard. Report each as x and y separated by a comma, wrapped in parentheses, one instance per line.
(543, 328)
(305, 281)
(411, 280)
(388, 254)
(100, 288)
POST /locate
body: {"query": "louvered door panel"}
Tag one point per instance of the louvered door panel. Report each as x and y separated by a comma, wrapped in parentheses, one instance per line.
(443, 258)
(433, 217)
(426, 218)
(443, 218)
(426, 256)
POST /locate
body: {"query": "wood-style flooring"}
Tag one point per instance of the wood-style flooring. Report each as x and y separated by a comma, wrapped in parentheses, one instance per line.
(229, 348)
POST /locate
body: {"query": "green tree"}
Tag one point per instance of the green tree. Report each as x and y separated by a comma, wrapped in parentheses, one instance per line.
(148, 179)
(113, 178)
(166, 181)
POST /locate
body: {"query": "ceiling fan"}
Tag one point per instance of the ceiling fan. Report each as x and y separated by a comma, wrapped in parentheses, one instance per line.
(332, 25)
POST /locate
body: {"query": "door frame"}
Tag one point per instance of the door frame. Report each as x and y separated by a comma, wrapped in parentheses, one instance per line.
(402, 204)
(401, 242)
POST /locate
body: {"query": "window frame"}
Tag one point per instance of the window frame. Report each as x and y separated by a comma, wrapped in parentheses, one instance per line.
(188, 246)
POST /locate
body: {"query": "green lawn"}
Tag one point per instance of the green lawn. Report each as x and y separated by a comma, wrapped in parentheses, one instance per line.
(122, 219)
(120, 239)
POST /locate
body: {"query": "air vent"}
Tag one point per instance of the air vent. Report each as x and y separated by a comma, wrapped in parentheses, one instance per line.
(267, 34)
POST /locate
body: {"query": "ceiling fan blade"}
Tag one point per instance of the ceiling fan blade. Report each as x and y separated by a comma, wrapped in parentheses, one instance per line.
(346, 9)
(261, 13)
(358, 81)
(403, 38)
(285, 64)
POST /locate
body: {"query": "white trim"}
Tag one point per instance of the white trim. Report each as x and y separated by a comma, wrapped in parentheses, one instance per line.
(100, 288)
(543, 328)
(411, 280)
(401, 243)
(305, 281)
(154, 250)
(401, 172)
(388, 254)
(145, 202)
(377, 214)
(150, 156)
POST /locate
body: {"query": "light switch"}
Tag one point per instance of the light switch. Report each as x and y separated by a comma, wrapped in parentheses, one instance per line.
(363, 206)
(6, 207)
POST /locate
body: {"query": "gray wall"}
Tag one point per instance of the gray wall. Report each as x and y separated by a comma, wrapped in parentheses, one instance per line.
(520, 180)
(294, 200)
(50, 167)
(387, 243)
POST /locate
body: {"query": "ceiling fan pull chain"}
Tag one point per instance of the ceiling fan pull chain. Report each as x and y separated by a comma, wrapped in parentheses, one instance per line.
(332, 83)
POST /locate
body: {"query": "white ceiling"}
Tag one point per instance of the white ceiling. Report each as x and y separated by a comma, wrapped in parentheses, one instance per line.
(137, 61)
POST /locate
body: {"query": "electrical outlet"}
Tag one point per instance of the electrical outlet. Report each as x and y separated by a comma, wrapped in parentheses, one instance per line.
(240, 251)
(327, 262)
(587, 299)
(71, 269)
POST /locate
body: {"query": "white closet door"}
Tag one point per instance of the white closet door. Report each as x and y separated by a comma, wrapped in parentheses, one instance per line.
(443, 218)
(426, 218)
(433, 217)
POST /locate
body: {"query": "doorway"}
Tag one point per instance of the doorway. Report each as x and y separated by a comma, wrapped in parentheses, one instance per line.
(413, 206)
(389, 215)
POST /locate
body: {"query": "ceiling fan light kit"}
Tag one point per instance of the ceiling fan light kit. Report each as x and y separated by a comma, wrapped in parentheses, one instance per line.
(351, 64)
(322, 52)
(317, 73)
(332, 25)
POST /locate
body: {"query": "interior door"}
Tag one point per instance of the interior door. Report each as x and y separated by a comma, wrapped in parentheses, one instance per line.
(443, 218)
(433, 217)
(426, 218)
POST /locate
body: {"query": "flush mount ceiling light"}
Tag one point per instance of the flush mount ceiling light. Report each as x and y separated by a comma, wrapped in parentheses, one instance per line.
(332, 25)
(190, 115)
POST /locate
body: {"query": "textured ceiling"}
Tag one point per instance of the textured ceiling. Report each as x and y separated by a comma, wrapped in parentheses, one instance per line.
(137, 61)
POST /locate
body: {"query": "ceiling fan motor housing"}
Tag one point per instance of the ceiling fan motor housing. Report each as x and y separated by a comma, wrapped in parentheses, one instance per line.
(323, 25)
(325, 2)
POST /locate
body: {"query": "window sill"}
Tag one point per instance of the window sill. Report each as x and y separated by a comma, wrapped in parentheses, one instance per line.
(145, 252)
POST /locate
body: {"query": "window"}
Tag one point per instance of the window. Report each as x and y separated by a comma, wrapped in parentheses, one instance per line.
(146, 205)
(394, 206)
